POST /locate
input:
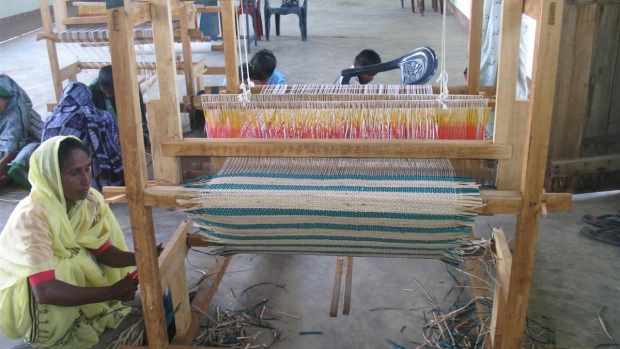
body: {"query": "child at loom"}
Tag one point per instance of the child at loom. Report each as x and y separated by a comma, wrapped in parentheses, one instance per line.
(263, 69)
(364, 58)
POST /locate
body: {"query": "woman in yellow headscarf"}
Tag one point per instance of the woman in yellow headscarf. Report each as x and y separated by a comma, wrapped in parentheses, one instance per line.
(63, 257)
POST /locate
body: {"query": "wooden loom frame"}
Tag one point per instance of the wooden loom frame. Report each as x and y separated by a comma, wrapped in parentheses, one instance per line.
(522, 157)
(140, 13)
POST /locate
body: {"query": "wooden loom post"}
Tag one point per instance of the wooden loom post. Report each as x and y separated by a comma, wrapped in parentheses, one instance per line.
(510, 114)
(46, 18)
(187, 50)
(123, 54)
(475, 47)
(546, 52)
(231, 60)
(60, 13)
(164, 117)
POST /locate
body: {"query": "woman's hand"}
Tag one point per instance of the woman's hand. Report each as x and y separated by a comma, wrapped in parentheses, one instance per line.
(125, 290)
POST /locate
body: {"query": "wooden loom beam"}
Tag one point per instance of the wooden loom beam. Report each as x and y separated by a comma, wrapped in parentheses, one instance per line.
(122, 52)
(385, 148)
(474, 47)
(546, 54)
(164, 117)
(51, 48)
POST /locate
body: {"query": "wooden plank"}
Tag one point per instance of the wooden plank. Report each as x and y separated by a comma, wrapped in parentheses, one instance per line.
(602, 73)
(69, 72)
(613, 128)
(46, 18)
(216, 71)
(475, 46)
(188, 64)
(229, 36)
(497, 201)
(335, 148)
(208, 9)
(60, 13)
(497, 313)
(122, 51)
(505, 113)
(508, 171)
(180, 301)
(140, 13)
(608, 138)
(571, 98)
(197, 240)
(84, 20)
(174, 254)
(203, 299)
(595, 164)
(348, 284)
(480, 289)
(504, 260)
(546, 54)
(532, 8)
(333, 308)
(164, 115)
(199, 68)
(116, 199)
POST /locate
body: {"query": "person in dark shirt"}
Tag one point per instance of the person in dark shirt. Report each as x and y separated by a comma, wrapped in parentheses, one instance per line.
(102, 90)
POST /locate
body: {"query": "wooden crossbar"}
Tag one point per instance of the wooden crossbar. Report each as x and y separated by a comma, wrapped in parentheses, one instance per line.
(338, 148)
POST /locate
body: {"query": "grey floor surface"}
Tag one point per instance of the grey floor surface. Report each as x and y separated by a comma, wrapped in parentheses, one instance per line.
(573, 276)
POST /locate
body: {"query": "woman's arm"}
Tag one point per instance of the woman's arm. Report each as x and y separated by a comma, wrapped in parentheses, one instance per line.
(56, 292)
(5, 160)
(115, 258)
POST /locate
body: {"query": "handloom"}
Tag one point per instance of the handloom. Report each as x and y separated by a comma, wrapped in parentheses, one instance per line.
(344, 207)
(520, 144)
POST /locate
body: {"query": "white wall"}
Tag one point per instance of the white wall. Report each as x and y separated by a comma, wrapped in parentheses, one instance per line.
(15, 7)
(462, 5)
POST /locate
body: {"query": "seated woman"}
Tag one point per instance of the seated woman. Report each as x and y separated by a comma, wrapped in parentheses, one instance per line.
(63, 256)
(102, 90)
(20, 132)
(77, 116)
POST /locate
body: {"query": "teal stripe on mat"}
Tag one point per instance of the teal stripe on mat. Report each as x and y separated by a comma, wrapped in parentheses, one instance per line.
(331, 226)
(214, 234)
(327, 213)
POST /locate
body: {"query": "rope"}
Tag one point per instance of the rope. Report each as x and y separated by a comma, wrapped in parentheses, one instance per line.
(246, 90)
(443, 76)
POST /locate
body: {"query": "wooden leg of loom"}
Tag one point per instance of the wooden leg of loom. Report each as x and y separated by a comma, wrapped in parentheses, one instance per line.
(481, 290)
(500, 293)
(203, 298)
(346, 309)
(333, 310)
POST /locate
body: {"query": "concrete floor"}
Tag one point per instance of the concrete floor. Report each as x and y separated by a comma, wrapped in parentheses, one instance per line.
(573, 275)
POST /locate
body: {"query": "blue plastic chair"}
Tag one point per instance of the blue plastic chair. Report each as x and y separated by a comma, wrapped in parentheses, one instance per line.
(287, 7)
(417, 67)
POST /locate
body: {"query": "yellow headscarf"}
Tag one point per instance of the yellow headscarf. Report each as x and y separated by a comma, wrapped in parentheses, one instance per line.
(89, 224)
